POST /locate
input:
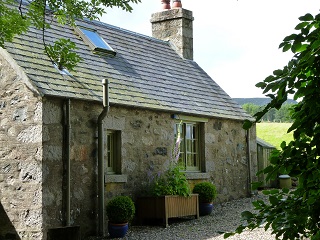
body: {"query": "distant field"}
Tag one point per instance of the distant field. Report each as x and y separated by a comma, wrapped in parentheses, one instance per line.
(274, 133)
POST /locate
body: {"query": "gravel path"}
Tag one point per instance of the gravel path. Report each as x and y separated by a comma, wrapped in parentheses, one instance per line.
(224, 218)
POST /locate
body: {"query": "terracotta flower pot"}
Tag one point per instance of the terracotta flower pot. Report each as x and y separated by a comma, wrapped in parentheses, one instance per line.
(176, 4)
(165, 4)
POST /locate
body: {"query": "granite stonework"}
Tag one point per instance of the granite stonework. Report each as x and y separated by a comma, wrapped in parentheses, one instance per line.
(146, 143)
(21, 138)
(175, 25)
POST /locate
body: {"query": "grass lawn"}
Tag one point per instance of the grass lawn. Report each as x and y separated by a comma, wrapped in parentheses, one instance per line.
(274, 133)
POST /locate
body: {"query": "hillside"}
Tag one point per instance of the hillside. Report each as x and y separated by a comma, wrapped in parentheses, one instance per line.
(258, 101)
(274, 133)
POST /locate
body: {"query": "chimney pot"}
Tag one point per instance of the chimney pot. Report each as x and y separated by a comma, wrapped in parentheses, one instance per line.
(165, 4)
(176, 4)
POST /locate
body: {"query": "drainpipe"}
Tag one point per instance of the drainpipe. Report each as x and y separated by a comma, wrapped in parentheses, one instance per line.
(67, 174)
(68, 200)
(101, 167)
(250, 193)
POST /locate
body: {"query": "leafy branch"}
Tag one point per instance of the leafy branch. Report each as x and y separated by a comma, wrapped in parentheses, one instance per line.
(296, 213)
(15, 19)
(61, 54)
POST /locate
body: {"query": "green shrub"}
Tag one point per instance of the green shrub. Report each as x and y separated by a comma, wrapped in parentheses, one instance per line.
(120, 209)
(206, 190)
(172, 182)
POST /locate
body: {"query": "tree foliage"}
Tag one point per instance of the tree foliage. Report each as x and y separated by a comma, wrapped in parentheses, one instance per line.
(16, 17)
(296, 213)
(273, 115)
(11, 22)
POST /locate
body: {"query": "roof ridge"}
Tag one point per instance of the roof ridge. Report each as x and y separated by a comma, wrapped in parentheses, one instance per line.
(123, 30)
(25, 2)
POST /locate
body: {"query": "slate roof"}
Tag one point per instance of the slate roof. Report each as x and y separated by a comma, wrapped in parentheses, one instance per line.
(264, 143)
(146, 72)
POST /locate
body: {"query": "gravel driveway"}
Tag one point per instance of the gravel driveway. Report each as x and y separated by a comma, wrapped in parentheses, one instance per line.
(225, 217)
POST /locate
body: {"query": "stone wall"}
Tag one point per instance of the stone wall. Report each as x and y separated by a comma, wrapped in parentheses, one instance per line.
(145, 132)
(83, 157)
(147, 140)
(21, 137)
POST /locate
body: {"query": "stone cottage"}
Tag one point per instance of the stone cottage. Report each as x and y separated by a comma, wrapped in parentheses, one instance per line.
(66, 148)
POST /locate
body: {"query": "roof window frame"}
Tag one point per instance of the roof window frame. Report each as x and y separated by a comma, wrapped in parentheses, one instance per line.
(108, 50)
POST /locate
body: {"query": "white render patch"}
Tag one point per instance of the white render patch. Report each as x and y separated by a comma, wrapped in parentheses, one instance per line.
(38, 112)
(4, 122)
(32, 134)
(30, 172)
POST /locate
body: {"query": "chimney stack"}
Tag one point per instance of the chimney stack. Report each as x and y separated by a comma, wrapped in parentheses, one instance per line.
(174, 25)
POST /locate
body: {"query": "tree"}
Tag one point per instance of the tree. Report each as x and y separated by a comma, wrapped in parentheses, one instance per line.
(296, 213)
(273, 115)
(251, 108)
(284, 113)
(16, 18)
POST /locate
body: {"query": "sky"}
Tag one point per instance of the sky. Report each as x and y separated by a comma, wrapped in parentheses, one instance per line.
(234, 41)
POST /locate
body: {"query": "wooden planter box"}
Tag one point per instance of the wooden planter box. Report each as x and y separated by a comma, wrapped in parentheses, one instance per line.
(165, 207)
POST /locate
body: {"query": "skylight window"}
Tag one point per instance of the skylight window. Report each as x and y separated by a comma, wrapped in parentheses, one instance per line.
(95, 41)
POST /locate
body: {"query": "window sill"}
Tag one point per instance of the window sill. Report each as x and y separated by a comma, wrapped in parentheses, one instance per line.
(197, 175)
(115, 178)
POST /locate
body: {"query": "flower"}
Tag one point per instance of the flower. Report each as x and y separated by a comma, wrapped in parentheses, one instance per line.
(172, 181)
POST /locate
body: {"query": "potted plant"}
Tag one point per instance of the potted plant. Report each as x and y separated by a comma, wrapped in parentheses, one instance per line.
(169, 197)
(120, 210)
(173, 181)
(207, 193)
(169, 194)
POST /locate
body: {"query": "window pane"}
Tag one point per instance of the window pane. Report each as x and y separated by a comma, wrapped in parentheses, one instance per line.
(95, 38)
(189, 149)
(108, 142)
(195, 160)
(109, 160)
(189, 160)
(194, 132)
(189, 131)
(110, 152)
(189, 146)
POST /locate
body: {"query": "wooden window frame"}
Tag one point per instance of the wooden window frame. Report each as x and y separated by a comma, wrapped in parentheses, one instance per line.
(113, 152)
(197, 149)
